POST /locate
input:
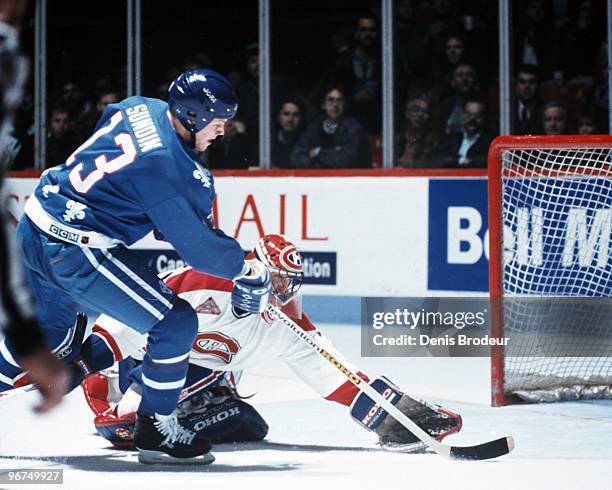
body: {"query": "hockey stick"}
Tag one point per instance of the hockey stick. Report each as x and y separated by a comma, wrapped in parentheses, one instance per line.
(486, 450)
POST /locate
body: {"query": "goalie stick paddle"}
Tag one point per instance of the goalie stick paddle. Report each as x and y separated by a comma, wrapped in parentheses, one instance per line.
(486, 450)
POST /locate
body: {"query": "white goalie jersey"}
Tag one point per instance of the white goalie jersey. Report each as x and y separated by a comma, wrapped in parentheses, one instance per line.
(230, 340)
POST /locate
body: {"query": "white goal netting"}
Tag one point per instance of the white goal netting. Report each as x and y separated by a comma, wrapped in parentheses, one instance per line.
(557, 273)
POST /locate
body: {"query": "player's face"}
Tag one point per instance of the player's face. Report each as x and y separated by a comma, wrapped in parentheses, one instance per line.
(207, 135)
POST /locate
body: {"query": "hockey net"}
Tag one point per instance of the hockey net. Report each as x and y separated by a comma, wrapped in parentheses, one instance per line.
(550, 218)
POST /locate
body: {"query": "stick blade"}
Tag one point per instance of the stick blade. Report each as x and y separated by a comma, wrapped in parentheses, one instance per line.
(487, 450)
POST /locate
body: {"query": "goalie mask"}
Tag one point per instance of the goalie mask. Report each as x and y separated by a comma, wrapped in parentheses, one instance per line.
(284, 262)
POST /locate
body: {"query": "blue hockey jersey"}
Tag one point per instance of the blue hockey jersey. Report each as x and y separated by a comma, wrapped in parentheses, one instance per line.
(136, 174)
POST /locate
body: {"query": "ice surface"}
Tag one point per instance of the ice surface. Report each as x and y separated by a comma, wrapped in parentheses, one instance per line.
(314, 444)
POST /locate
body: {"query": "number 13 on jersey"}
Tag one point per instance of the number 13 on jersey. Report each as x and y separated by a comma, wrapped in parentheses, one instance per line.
(126, 154)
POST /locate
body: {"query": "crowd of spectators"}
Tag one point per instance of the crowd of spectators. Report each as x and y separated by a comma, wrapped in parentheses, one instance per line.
(447, 90)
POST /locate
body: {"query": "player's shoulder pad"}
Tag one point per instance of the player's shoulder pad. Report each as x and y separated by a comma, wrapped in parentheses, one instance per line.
(148, 123)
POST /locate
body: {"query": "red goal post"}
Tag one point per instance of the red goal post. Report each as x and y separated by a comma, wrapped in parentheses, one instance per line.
(550, 206)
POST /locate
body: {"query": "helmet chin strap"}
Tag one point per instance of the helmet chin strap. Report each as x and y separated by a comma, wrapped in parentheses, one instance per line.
(192, 140)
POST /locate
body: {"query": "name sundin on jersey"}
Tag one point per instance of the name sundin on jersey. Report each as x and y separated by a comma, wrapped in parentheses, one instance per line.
(144, 128)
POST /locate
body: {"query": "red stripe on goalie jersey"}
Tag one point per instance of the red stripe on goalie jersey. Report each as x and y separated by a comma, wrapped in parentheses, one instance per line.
(347, 391)
(191, 280)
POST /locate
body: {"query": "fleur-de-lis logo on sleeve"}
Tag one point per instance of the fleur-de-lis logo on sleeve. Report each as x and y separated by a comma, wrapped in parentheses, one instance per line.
(74, 210)
(202, 175)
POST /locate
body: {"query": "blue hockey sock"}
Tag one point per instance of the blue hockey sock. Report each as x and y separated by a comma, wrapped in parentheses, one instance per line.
(165, 364)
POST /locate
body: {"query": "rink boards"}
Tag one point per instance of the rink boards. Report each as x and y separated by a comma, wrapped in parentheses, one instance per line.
(361, 235)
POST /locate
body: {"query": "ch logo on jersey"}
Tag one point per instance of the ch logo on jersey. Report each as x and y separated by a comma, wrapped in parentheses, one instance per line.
(217, 345)
(74, 210)
(202, 175)
(209, 307)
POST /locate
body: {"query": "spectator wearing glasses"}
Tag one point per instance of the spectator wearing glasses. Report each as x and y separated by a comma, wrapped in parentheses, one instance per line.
(469, 148)
(416, 140)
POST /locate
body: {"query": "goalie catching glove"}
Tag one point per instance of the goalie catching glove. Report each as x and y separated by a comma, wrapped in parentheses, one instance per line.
(437, 421)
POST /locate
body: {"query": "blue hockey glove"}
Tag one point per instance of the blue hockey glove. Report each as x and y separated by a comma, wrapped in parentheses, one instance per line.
(252, 288)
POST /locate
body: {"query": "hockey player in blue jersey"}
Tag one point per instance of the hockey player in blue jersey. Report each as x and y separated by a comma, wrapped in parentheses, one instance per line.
(138, 173)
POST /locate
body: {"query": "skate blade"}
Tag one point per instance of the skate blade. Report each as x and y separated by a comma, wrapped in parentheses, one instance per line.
(159, 457)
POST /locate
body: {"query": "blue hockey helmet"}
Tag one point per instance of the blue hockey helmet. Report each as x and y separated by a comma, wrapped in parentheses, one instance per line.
(197, 97)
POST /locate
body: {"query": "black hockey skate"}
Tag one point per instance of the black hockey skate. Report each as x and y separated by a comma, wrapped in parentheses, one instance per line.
(437, 421)
(162, 439)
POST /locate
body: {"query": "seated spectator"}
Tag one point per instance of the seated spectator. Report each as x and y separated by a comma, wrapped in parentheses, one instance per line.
(416, 140)
(444, 65)
(105, 96)
(73, 99)
(444, 20)
(554, 119)
(61, 140)
(248, 95)
(581, 39)
(413, 59)
(587, 124)
(527, 112)
(359, 70)
(289, 121)
(536, 38)
(198, 61)
(468, 149)
(332, 140)
(233, 150)
(464, 84)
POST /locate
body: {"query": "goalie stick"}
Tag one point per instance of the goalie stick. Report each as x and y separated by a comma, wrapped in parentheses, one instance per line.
(486, 450)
